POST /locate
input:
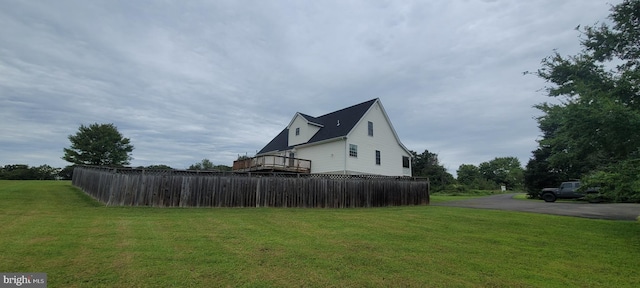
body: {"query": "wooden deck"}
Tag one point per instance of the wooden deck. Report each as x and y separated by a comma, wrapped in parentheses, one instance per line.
(272, 163)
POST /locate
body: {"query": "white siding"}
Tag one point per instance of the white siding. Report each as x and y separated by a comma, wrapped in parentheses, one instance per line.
(383, 140)
(306, 130)
(333, 156)
(325, 158)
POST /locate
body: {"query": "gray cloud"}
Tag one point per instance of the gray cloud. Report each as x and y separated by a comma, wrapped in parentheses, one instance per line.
(198, 79)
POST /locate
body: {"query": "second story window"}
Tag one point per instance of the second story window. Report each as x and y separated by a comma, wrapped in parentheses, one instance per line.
(377, 157)
(353, 150)
(370, 128)
(405, 162)
(297, 131)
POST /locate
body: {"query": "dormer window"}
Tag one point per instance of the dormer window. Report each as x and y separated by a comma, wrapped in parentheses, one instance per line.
(370, 128)
(297, 131)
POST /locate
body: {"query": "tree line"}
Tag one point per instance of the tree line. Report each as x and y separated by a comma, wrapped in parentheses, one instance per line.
(592, 131)
(489, 175)
(46, 172)
(42, 172)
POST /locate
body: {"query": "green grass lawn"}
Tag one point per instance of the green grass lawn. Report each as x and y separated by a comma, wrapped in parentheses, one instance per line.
(523, 196)
(52, 227)
(444, 198)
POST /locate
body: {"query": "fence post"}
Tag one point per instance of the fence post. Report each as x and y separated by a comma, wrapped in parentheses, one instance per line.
(257, 193)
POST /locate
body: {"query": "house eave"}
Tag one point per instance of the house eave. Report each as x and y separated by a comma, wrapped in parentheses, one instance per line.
(305, 119)
(273, 152)
(393, 130)
(320, 142)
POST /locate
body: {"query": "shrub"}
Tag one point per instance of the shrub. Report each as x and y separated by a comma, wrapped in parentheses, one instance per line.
(620, 182)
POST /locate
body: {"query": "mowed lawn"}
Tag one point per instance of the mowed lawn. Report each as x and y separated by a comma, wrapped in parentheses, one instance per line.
(52, 227)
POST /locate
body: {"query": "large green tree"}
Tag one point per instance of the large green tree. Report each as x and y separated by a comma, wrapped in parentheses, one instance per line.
(503, 171)
(593, 128)
(66, 173)
(98, 145)
(467, 174)
(539, 174)
(426, 164)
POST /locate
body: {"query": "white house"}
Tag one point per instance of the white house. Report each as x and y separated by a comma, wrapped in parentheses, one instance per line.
(355, 140)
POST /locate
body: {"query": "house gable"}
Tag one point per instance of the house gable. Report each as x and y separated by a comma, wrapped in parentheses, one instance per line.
(341, 122)
(301, 129)
(373, 113)
(378, 148)
(326, 141)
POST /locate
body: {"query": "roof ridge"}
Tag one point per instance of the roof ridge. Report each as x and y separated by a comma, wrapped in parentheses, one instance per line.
(335, 124)
(352, 106)
(310, 118)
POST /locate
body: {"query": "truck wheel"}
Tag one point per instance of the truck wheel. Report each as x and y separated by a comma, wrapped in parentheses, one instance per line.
(549, 197)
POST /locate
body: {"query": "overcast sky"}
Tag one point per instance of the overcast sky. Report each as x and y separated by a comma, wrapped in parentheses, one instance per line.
(188, 80)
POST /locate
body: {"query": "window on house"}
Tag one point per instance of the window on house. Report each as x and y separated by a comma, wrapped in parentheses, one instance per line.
(370, 128)
(405, 162)
(297, 131)
(353, 150)
(377, 157)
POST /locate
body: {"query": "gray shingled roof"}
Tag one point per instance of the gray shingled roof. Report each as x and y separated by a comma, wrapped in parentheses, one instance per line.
(347, 117)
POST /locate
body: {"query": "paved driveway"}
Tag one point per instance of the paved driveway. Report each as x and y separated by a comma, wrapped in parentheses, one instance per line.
(617, 211)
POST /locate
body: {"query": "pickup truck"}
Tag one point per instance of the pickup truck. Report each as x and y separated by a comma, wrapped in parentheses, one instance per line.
(567, 190)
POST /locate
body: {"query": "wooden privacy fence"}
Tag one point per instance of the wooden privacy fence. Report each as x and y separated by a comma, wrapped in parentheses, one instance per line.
(175, 188)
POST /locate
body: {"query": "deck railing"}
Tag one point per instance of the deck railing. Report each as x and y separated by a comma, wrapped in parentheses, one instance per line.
(273, 163)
